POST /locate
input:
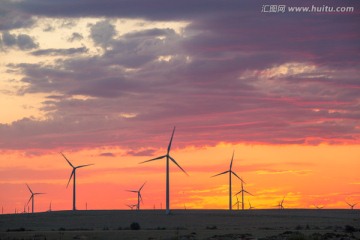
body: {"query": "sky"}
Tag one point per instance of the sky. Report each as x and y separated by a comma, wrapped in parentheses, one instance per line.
(105, 82)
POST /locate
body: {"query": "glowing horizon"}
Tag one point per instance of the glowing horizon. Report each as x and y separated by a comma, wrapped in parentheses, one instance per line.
(106, 84)
(198, 191)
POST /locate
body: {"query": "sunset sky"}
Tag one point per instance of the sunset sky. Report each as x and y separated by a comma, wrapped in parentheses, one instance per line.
(105, 82)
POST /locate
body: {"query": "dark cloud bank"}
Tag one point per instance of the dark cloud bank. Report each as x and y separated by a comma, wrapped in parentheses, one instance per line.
(219, 85)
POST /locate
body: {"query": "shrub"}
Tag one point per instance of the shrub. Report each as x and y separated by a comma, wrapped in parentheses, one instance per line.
(211, 227)
(135, 226)
(349, 229)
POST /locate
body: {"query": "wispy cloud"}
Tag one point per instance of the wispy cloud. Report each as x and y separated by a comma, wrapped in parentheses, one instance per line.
(301, 172)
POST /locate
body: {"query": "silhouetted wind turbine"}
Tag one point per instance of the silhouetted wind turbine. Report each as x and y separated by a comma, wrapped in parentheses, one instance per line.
(237, 202)
(167, 156)
(318, 207)
(280, 205)
(250, 207)
(73, 175)
(32, 198)
(230, 171)
(138, 195)
(351, 205)
(243, 191)
(131, 206)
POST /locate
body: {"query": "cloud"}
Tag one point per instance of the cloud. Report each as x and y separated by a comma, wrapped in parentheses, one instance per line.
(22, 41)
(102, 32)
(157, 10)
(107, 154)
(301, 172)
(225, 77)
(54, 52)
(12, 18)
(142, 152)
(75, 37)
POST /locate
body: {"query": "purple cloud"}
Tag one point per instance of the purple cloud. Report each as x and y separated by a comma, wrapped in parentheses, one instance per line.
(233, 74)
(107, 154)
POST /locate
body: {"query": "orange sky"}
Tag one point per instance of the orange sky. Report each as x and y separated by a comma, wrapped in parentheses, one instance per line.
(106, 84)
(321, 175)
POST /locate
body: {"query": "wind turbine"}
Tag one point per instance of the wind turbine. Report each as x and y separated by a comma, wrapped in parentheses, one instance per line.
(73, 175)
(250, 207)
(351, 205)
(32, 198)
(230, 171)
(168, 157)
(131, 206)
(280, 205)
(318, 207)
(242, 191)
(237, 202)
(138, 195)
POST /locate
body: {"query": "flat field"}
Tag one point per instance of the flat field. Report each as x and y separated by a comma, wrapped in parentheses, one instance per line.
(183, 224)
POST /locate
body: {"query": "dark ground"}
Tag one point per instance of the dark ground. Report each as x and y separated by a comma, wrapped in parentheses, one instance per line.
(293, 224)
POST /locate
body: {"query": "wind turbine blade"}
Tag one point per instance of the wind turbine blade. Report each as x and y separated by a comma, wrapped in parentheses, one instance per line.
(131, 191)
(67, 160)
(84, 165)
(29, 200)
(141, 199)
(142, 186)
(238, 193)
(220, 173)
(237, 176)
(29, 188)
(178, 165)
(169, 146)
(72, 173)
(248, 193)
(39, 193)
(232, 159)
(153, 159)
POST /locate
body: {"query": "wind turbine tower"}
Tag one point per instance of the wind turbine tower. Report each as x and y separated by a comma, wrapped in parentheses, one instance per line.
(168, 158)
(73, 176)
